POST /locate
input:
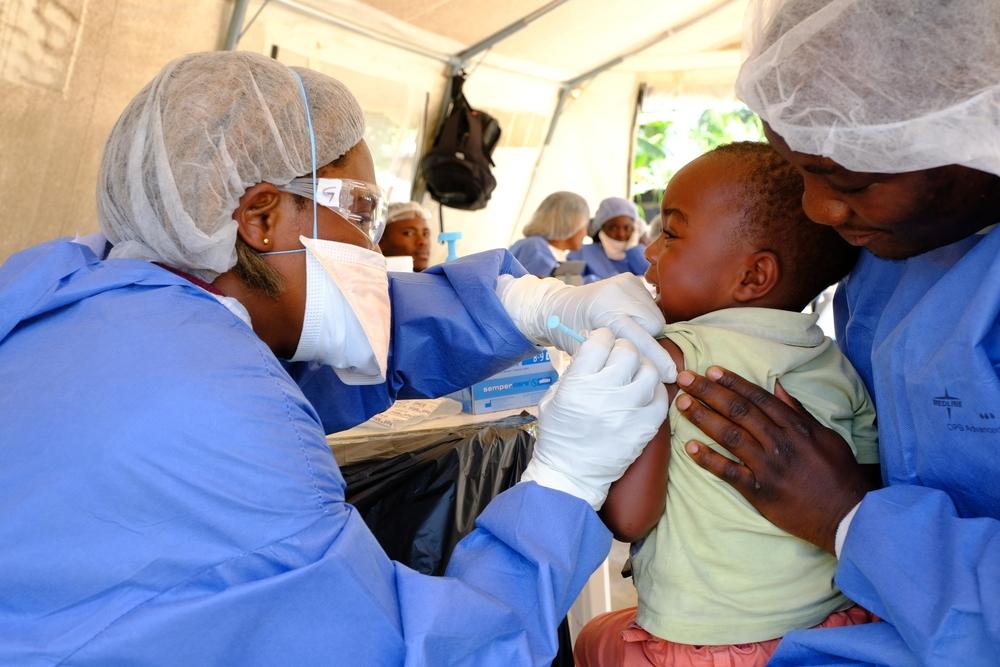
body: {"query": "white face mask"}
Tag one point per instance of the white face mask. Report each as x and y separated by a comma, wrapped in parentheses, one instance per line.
(560, 254)
(613, 248)
(348, 317)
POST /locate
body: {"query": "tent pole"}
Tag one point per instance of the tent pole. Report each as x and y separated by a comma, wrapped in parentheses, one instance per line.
(380, 37)
(460, 59)
(564, 92)
(505, 32)
(235, 24)
(574, 83)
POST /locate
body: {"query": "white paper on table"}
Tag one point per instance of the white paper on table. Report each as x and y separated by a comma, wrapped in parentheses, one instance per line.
(404, 414)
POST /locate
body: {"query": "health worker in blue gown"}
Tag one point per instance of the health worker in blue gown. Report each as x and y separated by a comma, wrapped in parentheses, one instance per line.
(888, 108)
(615, 248)
(167, 494)
(557, 227)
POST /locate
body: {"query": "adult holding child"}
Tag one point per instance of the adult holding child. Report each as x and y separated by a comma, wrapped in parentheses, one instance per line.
(888, 108)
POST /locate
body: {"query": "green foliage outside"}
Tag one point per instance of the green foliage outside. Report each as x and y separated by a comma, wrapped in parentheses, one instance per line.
(665, 145)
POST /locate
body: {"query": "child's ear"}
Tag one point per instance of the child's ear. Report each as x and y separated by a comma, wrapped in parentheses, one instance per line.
(761, 271)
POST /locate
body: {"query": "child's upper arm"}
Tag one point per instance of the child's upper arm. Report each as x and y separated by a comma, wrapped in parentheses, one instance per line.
(635, 502)
(678, 358)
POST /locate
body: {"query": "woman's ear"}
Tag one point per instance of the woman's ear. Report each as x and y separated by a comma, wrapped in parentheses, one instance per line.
(761, 272)
(257, 216)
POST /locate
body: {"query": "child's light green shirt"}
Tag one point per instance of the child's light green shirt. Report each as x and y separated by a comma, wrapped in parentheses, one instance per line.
(713, 570)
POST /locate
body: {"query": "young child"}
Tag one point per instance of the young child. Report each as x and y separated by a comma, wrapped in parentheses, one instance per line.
(736, 263)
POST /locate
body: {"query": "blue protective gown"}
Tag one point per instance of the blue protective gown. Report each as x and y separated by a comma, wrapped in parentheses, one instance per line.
(535, 255)
(600, 266)
(924, 553)
(168, 497)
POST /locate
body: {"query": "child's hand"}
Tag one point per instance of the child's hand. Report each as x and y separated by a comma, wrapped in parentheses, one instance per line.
(799, 474)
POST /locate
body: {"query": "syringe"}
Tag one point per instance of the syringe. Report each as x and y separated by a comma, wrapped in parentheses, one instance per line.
(554, 323)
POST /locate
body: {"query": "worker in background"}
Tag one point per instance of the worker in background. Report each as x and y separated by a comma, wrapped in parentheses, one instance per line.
(167, 492)
(616, 247)
(557, 227)
(888, 109)
(407, 233)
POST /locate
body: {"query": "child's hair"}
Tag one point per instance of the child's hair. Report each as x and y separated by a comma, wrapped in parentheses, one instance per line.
(812, 256)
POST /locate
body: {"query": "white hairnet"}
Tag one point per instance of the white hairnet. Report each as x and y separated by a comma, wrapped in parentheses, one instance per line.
(558, 217)
(406, 210)
(879, 85)
(206, 128)
(612, 207)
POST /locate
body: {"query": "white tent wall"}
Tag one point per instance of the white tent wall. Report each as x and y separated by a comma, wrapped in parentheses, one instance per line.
(66, 72)
(590, 148)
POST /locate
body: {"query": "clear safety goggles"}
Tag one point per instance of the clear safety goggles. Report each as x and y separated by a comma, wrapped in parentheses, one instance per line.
(362, 204)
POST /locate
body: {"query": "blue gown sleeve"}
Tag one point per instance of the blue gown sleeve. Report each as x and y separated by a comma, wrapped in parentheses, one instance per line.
(534, 255)
(937, 587)
(328, 595)
(449, 330)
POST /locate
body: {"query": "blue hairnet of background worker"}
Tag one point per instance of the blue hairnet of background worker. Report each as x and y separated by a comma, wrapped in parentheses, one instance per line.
(172, 500)
(888, 110)
(615, 230)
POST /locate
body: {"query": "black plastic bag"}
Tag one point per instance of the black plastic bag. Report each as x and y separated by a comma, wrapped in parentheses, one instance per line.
(420, 493)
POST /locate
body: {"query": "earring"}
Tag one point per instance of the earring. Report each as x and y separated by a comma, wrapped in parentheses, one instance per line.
(267, 241)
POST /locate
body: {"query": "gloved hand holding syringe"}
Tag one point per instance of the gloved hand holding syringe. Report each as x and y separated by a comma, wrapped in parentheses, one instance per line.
(598, 418)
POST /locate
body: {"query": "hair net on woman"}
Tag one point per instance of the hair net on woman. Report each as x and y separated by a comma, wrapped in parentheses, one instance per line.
(196, 137)
(558, 217)
(406, 210)
(879, 85)
(612, 207)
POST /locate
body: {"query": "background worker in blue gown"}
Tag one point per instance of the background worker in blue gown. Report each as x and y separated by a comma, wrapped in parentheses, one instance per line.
(615, 250)
(167, 493)
(557, 227)
(888, 108)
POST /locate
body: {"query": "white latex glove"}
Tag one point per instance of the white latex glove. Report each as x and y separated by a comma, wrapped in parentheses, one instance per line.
(620, 303)
(597, 419)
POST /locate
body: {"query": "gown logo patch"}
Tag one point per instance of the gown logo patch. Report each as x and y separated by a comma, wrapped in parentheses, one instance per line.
(947, 402)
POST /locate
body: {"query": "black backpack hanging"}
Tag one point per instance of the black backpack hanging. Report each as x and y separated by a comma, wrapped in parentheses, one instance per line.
(456, 169)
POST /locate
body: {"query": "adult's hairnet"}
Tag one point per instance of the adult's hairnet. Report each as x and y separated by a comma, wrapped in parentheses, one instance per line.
(406, 210)
(558, 217)
(612, 207)
(879, 85)
(207, 127)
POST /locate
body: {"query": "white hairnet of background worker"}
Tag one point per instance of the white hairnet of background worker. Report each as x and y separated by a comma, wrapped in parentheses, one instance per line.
(183, 466)
(890, 110)
(557, 227)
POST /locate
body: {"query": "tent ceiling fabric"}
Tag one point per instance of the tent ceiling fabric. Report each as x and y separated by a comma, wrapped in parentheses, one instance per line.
(583, 34)
(464, 22)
